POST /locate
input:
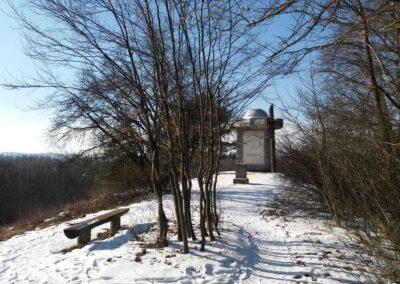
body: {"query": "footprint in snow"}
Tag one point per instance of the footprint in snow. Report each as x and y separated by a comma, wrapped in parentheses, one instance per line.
(208, 269)
(234, 264)
(106, 278)
(222, 270)
(189, 270)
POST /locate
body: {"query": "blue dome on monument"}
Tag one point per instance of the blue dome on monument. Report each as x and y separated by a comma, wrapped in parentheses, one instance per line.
(255, 113)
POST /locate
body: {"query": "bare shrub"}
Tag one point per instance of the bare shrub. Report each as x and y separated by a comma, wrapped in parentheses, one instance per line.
(336, 151)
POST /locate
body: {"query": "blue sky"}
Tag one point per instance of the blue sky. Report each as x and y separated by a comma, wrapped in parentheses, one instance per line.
(23, 129)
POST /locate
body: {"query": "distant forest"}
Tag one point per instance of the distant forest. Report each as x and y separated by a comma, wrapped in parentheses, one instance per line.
(33, 185)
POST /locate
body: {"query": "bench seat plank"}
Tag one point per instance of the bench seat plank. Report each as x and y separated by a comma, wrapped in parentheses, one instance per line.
(73, 231)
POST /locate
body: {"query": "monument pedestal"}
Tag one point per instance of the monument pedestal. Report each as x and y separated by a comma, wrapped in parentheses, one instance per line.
(241, 180)
(241, 174)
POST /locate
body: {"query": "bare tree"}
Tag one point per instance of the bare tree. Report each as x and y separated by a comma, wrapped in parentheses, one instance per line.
(160, 81)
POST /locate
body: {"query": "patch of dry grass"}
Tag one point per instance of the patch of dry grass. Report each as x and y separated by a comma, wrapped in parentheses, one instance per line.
(94, 203)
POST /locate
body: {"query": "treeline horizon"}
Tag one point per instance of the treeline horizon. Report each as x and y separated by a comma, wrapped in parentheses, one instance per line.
(36, 186)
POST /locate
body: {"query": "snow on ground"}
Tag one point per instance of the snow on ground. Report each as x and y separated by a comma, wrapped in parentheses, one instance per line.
(256, 247)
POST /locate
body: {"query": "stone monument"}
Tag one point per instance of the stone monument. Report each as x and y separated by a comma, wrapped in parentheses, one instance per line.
(256, 140)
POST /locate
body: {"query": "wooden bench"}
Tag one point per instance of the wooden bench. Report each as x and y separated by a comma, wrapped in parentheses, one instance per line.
(83, 229)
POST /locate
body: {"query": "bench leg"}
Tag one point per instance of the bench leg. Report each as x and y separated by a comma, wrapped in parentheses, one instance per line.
(115, 225)
(84, 237)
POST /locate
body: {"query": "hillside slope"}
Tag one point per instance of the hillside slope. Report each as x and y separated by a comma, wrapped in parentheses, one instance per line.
(258, 245)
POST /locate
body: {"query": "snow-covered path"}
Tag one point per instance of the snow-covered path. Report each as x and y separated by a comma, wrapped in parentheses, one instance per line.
(254, 248)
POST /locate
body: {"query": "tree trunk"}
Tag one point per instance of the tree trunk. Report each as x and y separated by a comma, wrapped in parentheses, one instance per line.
(178, 216)
(181, 213)
(380, 105)
(162, 222)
